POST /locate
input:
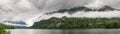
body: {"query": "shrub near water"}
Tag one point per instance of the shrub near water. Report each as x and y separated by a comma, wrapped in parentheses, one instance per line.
(3, 31)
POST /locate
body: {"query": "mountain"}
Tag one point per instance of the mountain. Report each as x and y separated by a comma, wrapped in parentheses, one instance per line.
(20, 27)
(107, 8)
(71, 10)
(16, 22)
(78, 23)
(82, 8)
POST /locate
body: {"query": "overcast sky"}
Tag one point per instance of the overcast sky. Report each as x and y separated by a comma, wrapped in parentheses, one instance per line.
(62, 4)
(30, 10)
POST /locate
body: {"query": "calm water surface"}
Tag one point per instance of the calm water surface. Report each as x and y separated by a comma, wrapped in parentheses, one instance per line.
(65, 31)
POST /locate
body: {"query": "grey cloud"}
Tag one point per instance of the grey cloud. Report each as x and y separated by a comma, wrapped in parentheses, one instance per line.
(58, 4)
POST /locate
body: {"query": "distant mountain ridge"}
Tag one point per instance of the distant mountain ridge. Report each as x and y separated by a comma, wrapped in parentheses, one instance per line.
(82, 8)
(16, 22)
(107, 8)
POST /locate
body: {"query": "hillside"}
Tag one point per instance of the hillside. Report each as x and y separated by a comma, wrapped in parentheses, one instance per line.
(78, 23)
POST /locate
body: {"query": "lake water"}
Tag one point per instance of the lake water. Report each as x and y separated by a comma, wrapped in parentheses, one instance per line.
(65, 31)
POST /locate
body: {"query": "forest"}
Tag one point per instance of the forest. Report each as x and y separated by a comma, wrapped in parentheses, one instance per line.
(78, 23)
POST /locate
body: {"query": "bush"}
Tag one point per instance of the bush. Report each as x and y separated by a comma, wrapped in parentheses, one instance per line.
(3, 31)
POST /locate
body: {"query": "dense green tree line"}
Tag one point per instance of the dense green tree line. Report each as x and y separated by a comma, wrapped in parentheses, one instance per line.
(78, 23)
(7, 27)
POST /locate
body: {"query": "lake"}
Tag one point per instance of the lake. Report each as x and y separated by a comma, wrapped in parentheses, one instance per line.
(65, 31)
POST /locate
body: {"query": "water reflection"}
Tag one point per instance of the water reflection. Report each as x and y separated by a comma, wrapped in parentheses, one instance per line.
(65, 31)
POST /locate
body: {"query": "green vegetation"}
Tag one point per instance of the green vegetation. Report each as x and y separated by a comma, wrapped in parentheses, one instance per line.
(2, 29)
(7, 27)
(78, 23)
